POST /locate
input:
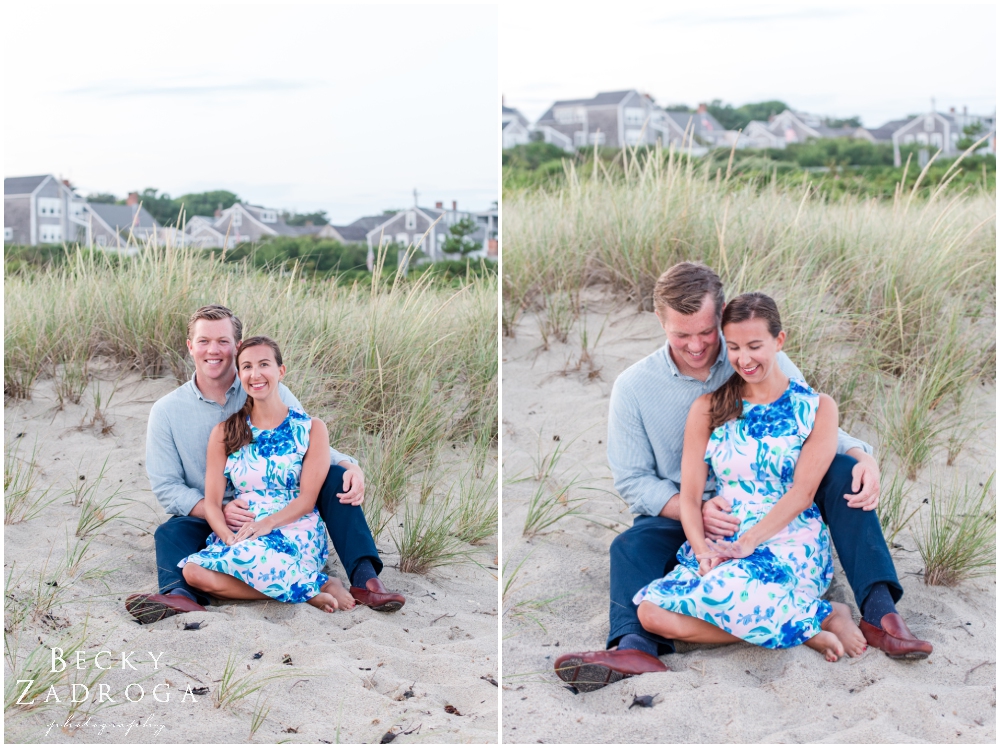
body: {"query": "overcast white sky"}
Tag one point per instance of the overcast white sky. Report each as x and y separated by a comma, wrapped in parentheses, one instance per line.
(345, 108)
(879, 61)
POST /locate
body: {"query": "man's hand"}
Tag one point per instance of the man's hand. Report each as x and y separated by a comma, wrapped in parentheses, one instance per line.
(354, 485)
(237, 513)
(866, 481)
(717, 518)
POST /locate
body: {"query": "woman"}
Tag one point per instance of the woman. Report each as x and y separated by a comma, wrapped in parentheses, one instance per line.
(264, 451)
(768, 440)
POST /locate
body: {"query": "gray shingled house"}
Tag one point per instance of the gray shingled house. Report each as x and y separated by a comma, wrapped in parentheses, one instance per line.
(242, 222)
(426, 229)
(42, 210)
(611, 118)
(111, 225)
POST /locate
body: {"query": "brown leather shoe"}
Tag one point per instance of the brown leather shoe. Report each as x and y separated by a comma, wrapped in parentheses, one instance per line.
(588, 671)
(895, 639)
(377, 597)
(152, 608)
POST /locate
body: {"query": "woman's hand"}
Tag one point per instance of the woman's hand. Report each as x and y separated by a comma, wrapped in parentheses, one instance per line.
(706, 565)
(723, 550)
(230, 539)
(256, 529)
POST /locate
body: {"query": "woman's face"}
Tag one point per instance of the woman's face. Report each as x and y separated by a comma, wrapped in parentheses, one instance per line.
(259, 372)
(752, 350)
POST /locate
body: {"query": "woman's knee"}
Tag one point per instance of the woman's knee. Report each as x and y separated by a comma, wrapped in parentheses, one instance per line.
(197, 576)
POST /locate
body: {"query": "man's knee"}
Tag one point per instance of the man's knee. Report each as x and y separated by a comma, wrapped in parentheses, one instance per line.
(624, 543)
(334, 482)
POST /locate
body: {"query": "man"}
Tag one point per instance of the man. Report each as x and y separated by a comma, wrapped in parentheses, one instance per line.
(648, 411)
(176, 444)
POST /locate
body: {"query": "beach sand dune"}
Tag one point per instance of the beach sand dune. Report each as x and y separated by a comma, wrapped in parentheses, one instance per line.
(558, 602)
(346, 677)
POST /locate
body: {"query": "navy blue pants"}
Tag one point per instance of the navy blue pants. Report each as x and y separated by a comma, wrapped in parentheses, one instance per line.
(179, 537)
(648, 550)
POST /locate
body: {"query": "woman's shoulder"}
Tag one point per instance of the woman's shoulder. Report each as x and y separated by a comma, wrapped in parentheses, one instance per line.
(797, 388)
(295, 414)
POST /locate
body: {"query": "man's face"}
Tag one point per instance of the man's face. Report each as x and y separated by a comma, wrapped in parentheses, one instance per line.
(693, 338)
(213, 348)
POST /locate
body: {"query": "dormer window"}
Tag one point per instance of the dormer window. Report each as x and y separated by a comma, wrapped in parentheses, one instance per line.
(570, 115)
(269, 216)
(411, 220)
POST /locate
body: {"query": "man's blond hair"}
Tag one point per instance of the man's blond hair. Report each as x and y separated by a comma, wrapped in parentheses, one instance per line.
(214, 312)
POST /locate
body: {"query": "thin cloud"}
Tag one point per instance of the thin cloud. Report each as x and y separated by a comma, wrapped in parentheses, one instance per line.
(116, 90)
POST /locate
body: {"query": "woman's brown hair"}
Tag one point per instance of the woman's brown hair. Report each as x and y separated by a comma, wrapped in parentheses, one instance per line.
(727, 401)
(236, 432)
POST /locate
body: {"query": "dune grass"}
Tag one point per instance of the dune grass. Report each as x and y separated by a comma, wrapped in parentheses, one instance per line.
(23, 498)
(957, 541)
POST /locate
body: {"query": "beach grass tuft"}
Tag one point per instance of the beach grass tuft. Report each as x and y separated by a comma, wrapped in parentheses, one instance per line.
(958, 539)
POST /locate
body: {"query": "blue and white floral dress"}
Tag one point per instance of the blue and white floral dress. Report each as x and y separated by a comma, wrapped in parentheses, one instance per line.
(287, 563)
(772, 597)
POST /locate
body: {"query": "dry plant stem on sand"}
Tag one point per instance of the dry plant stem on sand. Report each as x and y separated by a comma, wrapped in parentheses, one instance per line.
(958, 539)
(23, 500)
(893, 509)
(426, 539)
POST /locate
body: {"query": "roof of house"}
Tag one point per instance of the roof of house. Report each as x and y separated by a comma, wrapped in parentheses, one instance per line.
(120, 217)
(358, 230)
(22, 185)
(605, 98)
(703, 122)
(885, 131)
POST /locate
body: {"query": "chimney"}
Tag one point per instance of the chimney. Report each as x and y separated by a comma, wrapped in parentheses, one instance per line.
(309, 224)
(965, 111)
(702, 108)
(218, 211)
(439, 205)
(133, 199)
(952, 110)
(67, 184)
(454, 204)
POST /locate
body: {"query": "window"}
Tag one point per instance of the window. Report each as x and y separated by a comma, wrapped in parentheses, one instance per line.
(937, 139)
(411, 220)
(8, 233)
(928, 124)
(77, 209)
(580, 138)
(908, 138)
(49, 206)
(634, 115)
(596, 138)
(569, 115)
(402, 239)
(632, 136)
(50, 233)
(922, 138)
(237, 218)
(268, 216)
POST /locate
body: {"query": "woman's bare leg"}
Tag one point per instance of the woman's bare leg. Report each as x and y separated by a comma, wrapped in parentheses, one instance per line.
(683, 628)
(220, 585)
(336, 588)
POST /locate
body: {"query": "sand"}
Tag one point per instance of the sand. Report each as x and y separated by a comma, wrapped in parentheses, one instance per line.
(353, 675)
(737, 693)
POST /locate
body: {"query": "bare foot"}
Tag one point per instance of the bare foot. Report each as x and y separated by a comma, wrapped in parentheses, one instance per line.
(841, 624)
(827, 644)
(337, 589)
(324, 601)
